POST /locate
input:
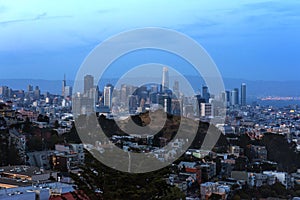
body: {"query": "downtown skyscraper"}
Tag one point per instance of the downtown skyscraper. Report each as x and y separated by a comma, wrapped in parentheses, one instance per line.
(243, 95)
(235, 97)
(88, 83)
(64, 84)
(165, 79)
(108, 95)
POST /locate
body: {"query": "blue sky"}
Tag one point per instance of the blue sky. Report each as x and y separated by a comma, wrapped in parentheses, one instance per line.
(254, 40)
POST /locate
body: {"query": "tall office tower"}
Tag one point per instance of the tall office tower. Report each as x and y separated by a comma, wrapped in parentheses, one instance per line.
(222, 97)
(124, 94)
(176, 89)
(4, 90)
(29, 88)
(167, 104)
(94, 94)
(243, 95)
(140, 90)
(67, 91)
(131, 89)
(199, 100)
(37, 92)
(108, 95)
(82, 105)
(165, 79)
(153, 97)
(154, 89)
(205, 93)
(238, 95)
(88, 83)
(132, 104)
(177, 106)
(228, 97)
(64, 84)
(47, 94)
(235, 97)
(165, 101)
(206, 110)
(143, 95)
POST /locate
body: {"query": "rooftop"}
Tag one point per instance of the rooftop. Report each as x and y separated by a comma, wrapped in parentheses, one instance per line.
(22, 170)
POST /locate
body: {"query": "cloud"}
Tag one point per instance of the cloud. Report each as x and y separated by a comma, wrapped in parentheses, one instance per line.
(272, 15)
(202, 27)
(283, 8)
(42, 16)
(104, 11)
(2, 9)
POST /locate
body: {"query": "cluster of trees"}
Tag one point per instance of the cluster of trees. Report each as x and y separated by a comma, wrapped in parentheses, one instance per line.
(8, 152)
(168, 131)
(276, 191)
(120, 185)
(37, 139)
(43, 118)
(278, 148)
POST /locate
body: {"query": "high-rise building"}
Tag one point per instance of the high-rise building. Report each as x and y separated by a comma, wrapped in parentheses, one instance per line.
(205, 93)
(37, 92)
(132, 104)
(243, 95)
(222, 97)
(94, 94)
(88, 83)
(108, 95)
(4, 91)
(124, 94)
(206, 110)
(29, 88)
(199, 101)
(82, 105)
(228, 97)
(165, 101)
(64, 84)
(153, 98)
(177, 106)
(167, 104)
(67, 91)
(176, 89)
(154, 89)
(165, 79)
(235, 97)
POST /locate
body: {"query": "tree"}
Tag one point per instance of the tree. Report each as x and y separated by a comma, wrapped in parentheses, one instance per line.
(43, 118)
(121, 185)
(236, 197)
(13, 157)
(35, 144)
(27, 125)
(56, 124)
(215, 197)
(73, 136)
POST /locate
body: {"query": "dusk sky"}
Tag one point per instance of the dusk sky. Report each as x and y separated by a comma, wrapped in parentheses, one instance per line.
(254, 40)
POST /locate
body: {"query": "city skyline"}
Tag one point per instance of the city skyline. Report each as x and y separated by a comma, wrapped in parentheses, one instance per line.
(149, 99)
(140, 98)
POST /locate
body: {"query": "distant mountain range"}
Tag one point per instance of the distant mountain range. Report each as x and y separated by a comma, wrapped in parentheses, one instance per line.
(254, 88)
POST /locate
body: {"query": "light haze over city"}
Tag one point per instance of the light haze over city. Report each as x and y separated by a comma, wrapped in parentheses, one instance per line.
(252, 40)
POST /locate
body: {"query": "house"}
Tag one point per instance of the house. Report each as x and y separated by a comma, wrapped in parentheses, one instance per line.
(283, 177)
(67, 157)
(259, 152)
(259, 179)
(209, 188)
(188, 166)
